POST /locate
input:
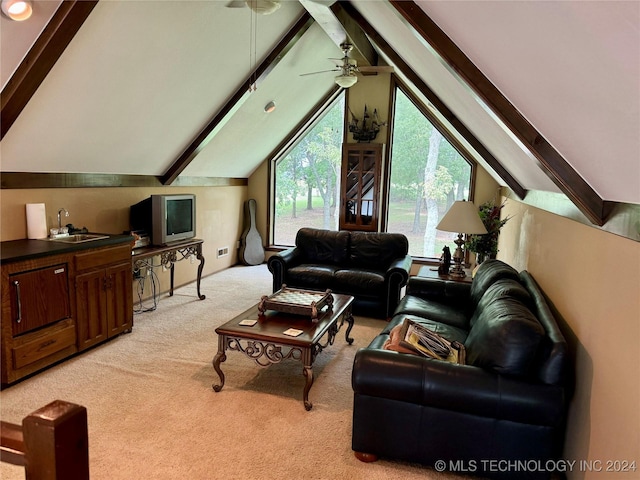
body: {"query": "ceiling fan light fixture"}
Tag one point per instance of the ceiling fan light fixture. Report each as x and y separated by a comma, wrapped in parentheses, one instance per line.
(346, 80)
(263, 7)
(17, 10)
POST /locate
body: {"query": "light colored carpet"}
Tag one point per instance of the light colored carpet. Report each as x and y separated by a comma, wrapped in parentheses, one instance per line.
(153, 414)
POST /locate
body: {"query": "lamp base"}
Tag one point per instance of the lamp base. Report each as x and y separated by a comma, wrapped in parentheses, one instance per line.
(457, 272)
(458, 256)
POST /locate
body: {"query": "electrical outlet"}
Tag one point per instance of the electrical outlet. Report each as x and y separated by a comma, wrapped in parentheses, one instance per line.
(223, 252)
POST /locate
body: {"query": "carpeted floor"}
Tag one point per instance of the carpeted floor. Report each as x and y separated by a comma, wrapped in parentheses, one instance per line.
(153, 414)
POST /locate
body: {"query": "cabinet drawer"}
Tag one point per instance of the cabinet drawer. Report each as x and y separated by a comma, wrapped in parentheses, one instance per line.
(104, 256)
(41, 344)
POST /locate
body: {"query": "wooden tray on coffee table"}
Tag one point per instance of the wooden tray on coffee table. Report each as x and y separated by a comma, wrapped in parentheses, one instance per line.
(297, 301)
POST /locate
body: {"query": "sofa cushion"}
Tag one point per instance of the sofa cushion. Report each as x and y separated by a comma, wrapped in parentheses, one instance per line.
(359, 282)
(502, 288)
(323, 246)
(431, 310)
(504, 338)
(376, 251)
(311, 276)
(488, 273)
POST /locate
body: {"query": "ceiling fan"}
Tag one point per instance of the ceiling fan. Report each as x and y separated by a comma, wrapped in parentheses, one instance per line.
(262, 7)
(348, 68)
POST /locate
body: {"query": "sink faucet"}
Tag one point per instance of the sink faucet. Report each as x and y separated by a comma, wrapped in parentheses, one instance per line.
(66, 214)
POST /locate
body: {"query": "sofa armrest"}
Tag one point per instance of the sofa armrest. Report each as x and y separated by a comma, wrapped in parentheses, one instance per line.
(279, 263)
(447, 292)
(401, 266)
(398, 271)
(396, 277)
(461, 388)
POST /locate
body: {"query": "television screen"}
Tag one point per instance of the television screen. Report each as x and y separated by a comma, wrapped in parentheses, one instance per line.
(179, 216)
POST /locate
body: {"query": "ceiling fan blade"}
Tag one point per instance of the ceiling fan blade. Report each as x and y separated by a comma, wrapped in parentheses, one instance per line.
(321, 71)
(236, 4)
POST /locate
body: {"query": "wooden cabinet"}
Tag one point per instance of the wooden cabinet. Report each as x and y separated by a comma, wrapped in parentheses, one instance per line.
(55, 305)
(38, 328)
(104, 301)
(360, 186)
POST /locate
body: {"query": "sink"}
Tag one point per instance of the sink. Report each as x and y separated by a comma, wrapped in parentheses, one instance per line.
(79, 238)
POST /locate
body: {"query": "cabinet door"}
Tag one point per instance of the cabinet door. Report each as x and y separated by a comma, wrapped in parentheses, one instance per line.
(38, 298)
(119, 298)
(91, 295)
(360, 186)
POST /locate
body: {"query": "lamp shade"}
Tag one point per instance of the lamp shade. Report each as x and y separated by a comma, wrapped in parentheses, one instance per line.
(346, 81)
(462, 217)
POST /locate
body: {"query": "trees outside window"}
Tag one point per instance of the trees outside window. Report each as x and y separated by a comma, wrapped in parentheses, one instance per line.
(306, 183)
(427, 176)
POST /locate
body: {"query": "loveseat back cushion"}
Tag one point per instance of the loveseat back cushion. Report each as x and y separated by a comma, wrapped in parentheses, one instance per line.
(323, 246)
(376, 251)
(489, 272)
(502, 288)
(505, 338)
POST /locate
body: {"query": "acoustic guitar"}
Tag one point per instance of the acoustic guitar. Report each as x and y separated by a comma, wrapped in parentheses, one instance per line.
(251, 249)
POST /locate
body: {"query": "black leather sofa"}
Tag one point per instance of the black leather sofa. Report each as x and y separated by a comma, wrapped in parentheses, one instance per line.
(373, 267)
(508, 402)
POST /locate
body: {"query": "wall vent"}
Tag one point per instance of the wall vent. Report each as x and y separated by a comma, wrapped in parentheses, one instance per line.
(223, 251)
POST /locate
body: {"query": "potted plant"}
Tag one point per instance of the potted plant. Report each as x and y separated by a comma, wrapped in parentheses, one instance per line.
(486, 246)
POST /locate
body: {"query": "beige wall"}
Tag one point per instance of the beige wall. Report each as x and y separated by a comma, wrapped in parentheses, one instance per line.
(593, 279)
(219, 212)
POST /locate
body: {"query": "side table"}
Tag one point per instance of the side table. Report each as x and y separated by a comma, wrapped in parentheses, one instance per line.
(432, 272)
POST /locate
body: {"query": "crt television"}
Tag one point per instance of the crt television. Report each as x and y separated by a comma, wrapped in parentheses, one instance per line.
(165, 218)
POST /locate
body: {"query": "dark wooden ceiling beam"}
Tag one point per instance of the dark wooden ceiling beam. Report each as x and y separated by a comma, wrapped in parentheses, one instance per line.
(41, 58)
(453, 120)
(222, 116)
(548, 158)
(340, 28)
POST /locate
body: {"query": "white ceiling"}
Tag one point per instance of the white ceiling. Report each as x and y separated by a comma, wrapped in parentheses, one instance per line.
(142, 78)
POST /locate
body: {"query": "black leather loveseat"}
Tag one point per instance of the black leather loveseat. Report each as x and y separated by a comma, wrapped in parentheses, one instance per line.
(373, 267)
(506, 404)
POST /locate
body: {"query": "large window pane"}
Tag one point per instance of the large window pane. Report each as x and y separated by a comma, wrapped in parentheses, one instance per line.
(427, 176)
(307, 180)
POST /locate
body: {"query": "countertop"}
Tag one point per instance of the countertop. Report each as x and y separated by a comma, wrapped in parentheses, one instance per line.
(17, 250)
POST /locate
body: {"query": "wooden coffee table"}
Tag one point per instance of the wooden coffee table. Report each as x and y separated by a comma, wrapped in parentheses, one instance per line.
(266, 343)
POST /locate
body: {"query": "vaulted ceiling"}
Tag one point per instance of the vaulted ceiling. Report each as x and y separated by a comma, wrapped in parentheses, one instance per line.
(545, 94)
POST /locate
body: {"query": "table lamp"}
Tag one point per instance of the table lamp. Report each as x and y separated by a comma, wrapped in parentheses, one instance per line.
(462, 218)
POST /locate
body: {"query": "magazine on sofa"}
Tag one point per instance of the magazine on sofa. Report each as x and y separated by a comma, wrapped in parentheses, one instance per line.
(420, 339)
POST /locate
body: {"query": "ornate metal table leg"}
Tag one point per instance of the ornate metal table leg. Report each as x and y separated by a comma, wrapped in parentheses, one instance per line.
(200, 267)
(171, 286)
(349, 319)
(308, 373)
(220, 357)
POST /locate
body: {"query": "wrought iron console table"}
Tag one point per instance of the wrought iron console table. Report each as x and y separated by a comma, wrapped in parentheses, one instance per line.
(169, 255)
